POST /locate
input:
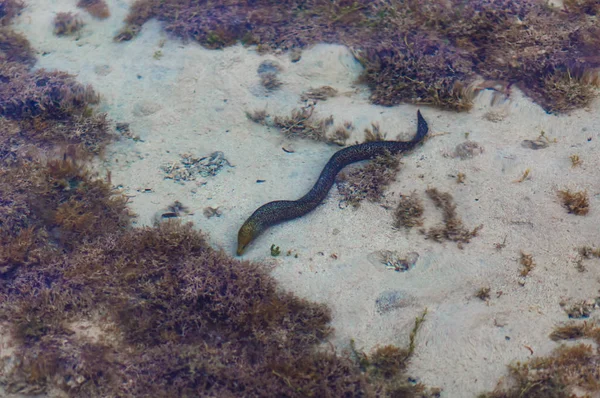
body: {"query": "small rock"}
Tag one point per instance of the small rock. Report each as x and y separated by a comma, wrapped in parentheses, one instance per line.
(295, 55)
(534, 144)
(211, 212)
(146, 108)
(391, 300)
(467, 150)
(267, 67)
(501, 321)
(102, 70)
(174, 210)
(495, 116)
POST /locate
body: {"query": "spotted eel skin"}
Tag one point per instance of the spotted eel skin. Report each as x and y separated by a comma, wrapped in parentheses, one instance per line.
(279, 211)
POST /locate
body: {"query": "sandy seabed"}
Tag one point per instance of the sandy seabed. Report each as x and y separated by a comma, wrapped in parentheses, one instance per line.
(192, 100)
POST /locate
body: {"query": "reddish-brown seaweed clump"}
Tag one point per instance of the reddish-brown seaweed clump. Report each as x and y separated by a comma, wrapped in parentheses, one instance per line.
(14, 47)
(42, 109)
(45, 109)
(67, 23)
(571, 370)
(99, 308)
(9, 9)
(96, 8)
(415, 51)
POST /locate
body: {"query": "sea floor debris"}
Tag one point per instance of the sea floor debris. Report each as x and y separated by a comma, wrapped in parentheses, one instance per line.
(393, 260)
(190, 167)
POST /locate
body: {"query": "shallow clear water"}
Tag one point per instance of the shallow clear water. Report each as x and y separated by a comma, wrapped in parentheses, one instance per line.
(188, 150)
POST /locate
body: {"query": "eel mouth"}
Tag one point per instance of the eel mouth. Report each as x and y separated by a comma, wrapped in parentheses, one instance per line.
(245, 236)
(241, 249)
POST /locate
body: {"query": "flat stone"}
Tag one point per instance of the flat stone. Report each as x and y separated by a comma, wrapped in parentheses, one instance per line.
(391, 300)
(534, 144)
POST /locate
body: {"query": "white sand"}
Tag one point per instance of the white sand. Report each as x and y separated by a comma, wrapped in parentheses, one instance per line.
(193, 100)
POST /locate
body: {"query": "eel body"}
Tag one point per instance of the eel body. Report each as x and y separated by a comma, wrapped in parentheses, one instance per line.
(279, 211)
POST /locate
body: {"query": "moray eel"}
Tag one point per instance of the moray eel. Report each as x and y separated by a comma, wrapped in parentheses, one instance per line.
(279, 211)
